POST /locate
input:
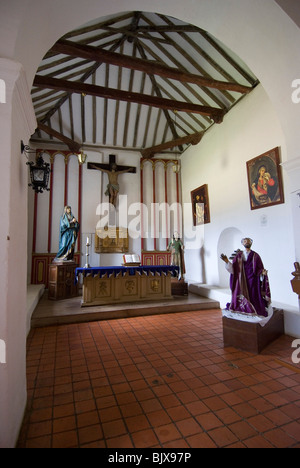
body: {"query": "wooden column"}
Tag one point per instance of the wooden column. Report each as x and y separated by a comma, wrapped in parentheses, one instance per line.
(34, 222)
(178, 201)
(66, 156)
(50, 204)
(154, 210)
(142, 201)
(79, 205)
(166, 201)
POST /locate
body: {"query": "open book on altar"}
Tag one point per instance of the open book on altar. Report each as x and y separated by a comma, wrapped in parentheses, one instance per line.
(131, 260)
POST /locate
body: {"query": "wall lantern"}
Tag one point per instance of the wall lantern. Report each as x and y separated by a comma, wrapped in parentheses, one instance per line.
(39, 171)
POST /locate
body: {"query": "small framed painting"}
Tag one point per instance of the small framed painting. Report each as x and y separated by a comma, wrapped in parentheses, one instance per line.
(200, 205)
(265, 180)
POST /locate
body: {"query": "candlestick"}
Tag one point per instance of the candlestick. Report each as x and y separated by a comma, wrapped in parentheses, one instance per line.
(87, 253)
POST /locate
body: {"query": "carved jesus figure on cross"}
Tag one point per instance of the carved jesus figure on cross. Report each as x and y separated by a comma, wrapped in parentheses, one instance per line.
(113, 171)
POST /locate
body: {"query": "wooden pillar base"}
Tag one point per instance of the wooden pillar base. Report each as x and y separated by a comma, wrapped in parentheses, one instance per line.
(252, 337)
(179, 288)
(62, 280)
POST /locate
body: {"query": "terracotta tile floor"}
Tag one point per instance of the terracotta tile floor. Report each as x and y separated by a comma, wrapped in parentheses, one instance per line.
(160, 382)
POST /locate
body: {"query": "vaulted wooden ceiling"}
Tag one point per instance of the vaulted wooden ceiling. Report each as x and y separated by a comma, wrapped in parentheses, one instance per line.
(137, 81)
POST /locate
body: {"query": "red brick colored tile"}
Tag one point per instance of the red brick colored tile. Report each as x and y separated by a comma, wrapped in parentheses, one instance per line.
(242, 430)
(64, 424)
(188, 427)
(257, 442)
(65, 440)
(109, 414)
(120, 442)
(261, 423)
(144, 439)
(138, 423)
(114, 428)
(167, 433)
(39, 429)
(209, 421)
(132, 409)
(279, 438)
(177, 413)
(222, 436)
(124, 383)
(90, 434)
(293, 430)
(39, 442)
(180, 444)
(158, 418)
(227, 415)
(215, 403)
(41, 415)
(201, 441)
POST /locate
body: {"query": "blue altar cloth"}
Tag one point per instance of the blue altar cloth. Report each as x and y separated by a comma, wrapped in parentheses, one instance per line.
(101, 271)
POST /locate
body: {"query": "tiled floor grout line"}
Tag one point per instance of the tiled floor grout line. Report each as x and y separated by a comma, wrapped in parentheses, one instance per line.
(200, 361)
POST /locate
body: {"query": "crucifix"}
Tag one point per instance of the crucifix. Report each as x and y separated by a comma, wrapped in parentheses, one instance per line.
(113, 171)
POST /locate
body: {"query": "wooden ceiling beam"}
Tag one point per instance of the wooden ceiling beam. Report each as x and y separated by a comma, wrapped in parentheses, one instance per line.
(193, 139)
(158, 92)
(83, 88)
(113, 58)
(72, 145)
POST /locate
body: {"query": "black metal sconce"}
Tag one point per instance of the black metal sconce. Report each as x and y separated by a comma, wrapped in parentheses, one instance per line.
(39, 171)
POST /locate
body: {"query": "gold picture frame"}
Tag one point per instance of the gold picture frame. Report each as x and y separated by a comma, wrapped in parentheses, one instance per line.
(111, 240)
(200, 205)
(265, 180)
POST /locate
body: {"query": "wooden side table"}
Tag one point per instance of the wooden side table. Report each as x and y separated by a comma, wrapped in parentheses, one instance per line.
(62, 281)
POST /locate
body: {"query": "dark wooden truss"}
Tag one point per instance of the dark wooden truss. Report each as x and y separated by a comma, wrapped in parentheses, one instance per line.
(136, 81)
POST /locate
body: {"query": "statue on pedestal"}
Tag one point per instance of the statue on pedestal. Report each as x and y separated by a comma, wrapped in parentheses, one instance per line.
(176, 248)
(249, 282)
(296, 281)
(68, 233)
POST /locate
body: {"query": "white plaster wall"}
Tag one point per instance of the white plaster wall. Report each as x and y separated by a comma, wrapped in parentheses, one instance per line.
(250, 129)
(17, 122)
(94, 200)
(94, 205)
(258, 31)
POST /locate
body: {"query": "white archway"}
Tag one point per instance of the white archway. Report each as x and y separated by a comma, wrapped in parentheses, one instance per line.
(229, 241)
(2, 352)
(2, 92)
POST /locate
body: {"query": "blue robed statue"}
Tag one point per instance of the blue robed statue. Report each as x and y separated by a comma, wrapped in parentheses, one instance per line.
(68, 233)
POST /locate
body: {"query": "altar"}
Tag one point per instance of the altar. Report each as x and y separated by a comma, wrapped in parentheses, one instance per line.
(121, 284)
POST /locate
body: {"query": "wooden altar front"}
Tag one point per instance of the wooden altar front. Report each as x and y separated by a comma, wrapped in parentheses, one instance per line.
(113, 285)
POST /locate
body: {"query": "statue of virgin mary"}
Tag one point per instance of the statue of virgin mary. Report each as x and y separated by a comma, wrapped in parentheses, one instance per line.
(68, 233)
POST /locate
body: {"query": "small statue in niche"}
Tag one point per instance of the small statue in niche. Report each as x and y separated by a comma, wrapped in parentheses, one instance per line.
(68, 233)
(176, 248)
(249, 281)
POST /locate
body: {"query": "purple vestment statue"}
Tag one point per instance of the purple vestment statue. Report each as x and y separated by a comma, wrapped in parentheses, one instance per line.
(250, 289)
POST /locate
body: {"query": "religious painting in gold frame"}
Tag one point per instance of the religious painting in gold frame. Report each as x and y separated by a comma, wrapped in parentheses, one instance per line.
(111, 240)
(200, 205)
(265, 180)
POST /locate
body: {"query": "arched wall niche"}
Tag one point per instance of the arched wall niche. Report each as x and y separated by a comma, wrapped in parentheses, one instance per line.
(229, 241)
